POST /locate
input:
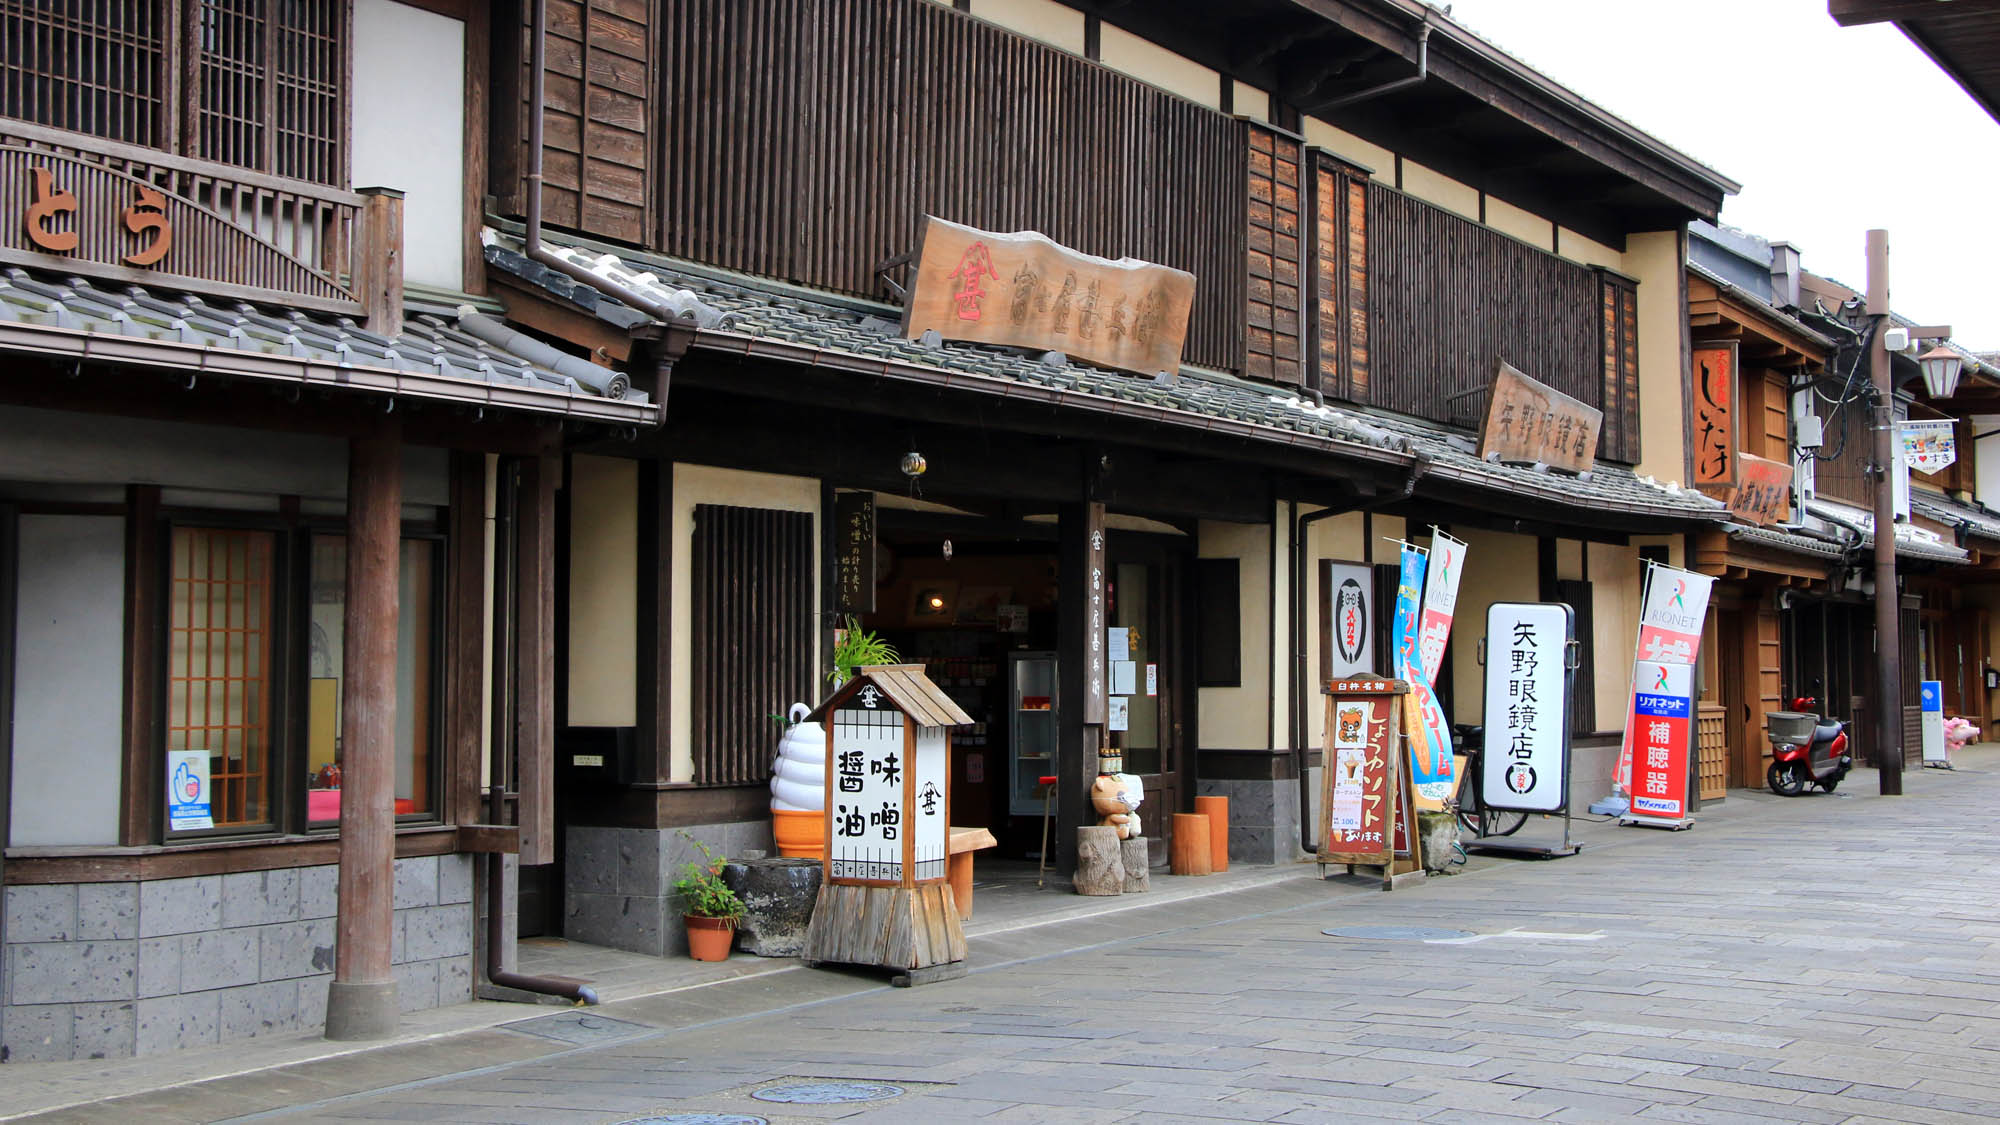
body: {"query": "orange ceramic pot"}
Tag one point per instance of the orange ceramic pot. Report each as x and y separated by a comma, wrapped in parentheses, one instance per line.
(799, 835)
(709, 938)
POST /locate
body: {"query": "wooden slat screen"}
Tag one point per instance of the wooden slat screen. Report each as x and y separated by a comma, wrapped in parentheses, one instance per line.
(753, 636)
(1618, 347)
(1273, 342)
(805, 141)
(1340, 279)
(88, 66)
(1447, 298)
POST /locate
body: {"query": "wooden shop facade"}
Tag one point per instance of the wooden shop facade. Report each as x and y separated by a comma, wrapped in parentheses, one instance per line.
(622, 467)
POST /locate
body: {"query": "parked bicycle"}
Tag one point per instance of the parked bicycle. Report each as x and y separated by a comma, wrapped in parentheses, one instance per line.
(1473, 816)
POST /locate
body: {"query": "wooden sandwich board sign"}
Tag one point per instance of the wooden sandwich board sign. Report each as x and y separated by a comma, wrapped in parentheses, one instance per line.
(885, 898)
(1366, 804)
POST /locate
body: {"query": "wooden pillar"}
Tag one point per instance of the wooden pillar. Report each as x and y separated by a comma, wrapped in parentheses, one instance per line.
(361, 1001)
(1080, 621)
(378, 261)
(534, 655)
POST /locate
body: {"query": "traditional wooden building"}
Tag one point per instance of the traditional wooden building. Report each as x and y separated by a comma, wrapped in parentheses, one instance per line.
(641, 440)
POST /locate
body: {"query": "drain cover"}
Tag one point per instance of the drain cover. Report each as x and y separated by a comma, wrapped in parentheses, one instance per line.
(698, 1119)
(1396, 933)
(578, 1027)
(827, 1093)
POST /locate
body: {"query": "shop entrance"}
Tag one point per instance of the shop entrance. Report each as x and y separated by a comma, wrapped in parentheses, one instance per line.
(982, 617)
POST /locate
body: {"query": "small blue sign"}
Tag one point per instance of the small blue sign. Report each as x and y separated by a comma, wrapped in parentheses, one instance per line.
(1660, 706)
(1933, 695)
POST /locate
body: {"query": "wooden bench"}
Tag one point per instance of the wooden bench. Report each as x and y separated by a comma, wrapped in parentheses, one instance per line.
(958, 865)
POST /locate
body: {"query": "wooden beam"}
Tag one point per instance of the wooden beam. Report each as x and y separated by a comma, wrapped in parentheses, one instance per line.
(138, 803)
(465, 638)
(1851, 13)
(530, 307)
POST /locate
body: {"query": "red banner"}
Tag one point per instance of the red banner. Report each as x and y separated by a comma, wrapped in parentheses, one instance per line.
(1660, 730)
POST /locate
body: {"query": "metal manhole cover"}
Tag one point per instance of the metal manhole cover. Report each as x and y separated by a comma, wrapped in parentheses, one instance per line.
(827, 1093)
(578, 1027)
(698, 1119)
(1396, 933)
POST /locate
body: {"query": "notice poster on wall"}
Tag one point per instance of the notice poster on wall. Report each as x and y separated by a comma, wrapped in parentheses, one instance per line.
(1659, 727)
(187, 791)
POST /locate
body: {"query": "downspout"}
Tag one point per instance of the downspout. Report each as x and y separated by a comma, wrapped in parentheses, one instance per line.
(1423, 72)
(536, 252)
(1419, 468)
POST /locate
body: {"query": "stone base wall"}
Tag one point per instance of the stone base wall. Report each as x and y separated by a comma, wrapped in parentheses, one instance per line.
(618, 882)
(105, 970)
(1263, 818)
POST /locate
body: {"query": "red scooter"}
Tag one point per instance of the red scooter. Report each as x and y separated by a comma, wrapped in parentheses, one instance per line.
(1806, 749)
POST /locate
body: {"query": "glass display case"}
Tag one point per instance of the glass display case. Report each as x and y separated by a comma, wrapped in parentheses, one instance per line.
(1031, 698)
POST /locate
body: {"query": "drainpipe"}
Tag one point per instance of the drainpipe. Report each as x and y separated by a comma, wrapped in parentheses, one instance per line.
(1423, 72)
(496, 933)
(1300, 677)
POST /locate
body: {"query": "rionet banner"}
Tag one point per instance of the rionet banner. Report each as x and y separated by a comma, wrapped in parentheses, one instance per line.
(1659, 727)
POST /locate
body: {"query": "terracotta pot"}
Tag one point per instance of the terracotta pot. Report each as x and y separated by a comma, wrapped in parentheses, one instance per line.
(799, 835)
(709, 938)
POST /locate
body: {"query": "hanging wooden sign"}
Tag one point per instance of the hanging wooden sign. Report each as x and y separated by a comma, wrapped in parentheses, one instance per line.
(1362, 809)
(1024, 290)
(1714, 371)
(854, 552)
(1763, 490)
(1532, 422)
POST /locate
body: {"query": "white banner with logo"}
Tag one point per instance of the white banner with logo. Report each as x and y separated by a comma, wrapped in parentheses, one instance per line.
(1526, 764)
(1928, 446)
(1440, 602)
(1670, 623)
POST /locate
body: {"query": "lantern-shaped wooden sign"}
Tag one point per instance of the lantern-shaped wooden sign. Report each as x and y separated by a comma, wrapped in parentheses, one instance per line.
(885, 899)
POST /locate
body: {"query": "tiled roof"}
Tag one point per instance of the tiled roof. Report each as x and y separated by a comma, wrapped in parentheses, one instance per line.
(1911, 541)
(432, 358)
(1785, 540)
(1764, 308)
(1978, 520)
(789, 323)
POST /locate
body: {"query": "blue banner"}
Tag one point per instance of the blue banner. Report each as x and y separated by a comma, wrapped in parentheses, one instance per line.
(1430, 744)
(1405, 663)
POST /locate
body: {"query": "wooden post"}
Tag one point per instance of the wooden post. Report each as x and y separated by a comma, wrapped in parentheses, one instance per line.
(1190, 854)
(1217, 811)
(378, 261)
(1136, 856)
(1100, 863)
(534, 656)
(1080, 720)
(361, 1000)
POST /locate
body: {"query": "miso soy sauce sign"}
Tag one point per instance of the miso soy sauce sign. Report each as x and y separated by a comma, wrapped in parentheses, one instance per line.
(1024, 290)
(888, 785)
(1526, 764)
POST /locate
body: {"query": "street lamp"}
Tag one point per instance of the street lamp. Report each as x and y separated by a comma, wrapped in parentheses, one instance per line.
(1941, 367)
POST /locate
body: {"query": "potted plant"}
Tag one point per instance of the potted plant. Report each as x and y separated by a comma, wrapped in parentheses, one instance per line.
(855, 647)
(710, 909)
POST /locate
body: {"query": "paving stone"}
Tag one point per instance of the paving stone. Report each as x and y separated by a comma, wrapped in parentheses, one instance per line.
(37, 1032)
(68, 972)
(295, 949)
(431, 932)
(219, 959)
(104, 1031)
(319, 891)
(188, 1020)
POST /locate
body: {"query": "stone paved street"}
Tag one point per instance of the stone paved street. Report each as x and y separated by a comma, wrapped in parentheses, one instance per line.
(1825, 959)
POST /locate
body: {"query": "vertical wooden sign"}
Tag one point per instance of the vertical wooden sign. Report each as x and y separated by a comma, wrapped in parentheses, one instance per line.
(854, 552)
(1095, 684)
(1363, 808)
(1714, 370)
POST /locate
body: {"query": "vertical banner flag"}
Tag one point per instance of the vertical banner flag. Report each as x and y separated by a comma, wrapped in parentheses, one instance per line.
(1430, 741)
(1670, 621)
(1440, 602)
(1432, 772)
(1932, 705)
(1662, 715)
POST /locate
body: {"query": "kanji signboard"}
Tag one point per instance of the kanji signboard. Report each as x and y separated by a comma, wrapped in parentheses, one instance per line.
(1360, 805)
(1658, 730)
(1528, 421)
(1526, 764)
(1714, 367)
(1763, 490)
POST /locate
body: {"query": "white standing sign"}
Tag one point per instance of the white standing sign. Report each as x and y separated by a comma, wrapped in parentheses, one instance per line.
(867, 802)
(932, 838)
(1931, 703)
(1526, 763)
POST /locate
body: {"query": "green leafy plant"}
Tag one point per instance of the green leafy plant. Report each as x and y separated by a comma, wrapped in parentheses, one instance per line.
(858, 648)
(702, 892)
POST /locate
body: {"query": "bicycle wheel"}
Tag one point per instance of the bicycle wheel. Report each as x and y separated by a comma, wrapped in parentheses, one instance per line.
(1468, 800)
(1506, 823)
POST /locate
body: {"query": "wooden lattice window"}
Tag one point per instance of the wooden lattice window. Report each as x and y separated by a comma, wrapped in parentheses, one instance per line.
(1618, 348)
(753, 635)
(269, 76)
(88, 66)
(219, 651)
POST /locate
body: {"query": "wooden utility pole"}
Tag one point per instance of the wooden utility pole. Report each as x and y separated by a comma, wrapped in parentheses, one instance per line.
(1888, 600)
(361, 1001)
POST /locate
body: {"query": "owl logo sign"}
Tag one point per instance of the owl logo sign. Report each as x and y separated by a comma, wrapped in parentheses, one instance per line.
(1350, 621)
(1347, 620)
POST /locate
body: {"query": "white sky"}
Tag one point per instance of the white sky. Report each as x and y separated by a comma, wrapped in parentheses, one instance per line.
(1775, 95)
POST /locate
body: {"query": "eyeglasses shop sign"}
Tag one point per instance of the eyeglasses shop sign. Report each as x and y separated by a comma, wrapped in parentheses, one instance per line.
(1527, 705)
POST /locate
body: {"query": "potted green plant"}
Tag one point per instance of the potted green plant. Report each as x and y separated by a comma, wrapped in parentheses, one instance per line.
(855, 647)
(710, 909)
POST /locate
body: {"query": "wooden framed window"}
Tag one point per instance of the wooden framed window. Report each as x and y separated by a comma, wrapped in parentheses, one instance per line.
(259, 84)
(220, 642)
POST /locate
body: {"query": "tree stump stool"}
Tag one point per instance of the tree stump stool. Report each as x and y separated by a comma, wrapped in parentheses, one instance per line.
(1138, 861)
(1100, 868)
(1193, 849)
(1217, 811)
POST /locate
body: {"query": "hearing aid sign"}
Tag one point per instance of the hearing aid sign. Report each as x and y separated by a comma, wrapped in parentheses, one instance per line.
(187, 791)
(1660, 725)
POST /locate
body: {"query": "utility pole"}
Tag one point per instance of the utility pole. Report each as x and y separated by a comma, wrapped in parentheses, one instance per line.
(1888, 600)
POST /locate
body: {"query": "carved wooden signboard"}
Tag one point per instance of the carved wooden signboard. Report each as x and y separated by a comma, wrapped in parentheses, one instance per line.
(1763, 490)
(854, 552)
(61, 210)
(1530, 421)
(1714, 368)
(1023, 290)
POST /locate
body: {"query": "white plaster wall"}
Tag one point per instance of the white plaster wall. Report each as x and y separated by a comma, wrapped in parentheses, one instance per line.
(55, 447)
(1045, 20)
(1577, 248)
(1498, 568)
(1986, 460)
(1248, 101)
(1121, 50)
(1378, 160)
(1654, 258)
(1520, 223)
(1339, 539)
(1435, 187)
(69, 659)
(1236, 718)
(702, 484)
(409, 129)
(603, 592)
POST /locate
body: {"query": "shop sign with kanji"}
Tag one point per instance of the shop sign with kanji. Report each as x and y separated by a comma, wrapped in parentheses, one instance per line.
(888, 782)
(1533, 423)
(1661, 720)
(1526, 763)
(1714, 370)
(1024, 290)
(1362, 800)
